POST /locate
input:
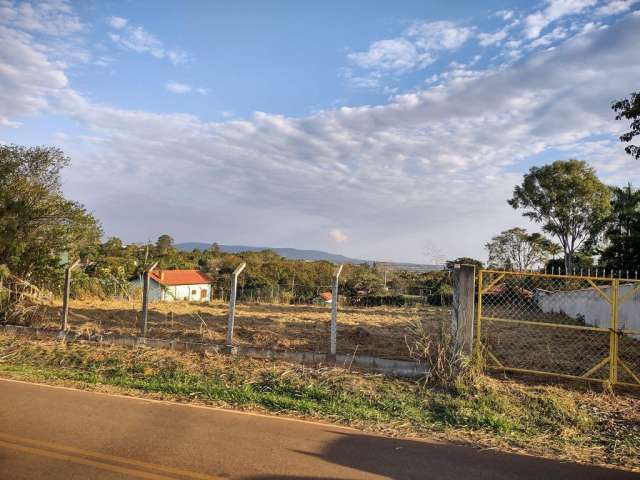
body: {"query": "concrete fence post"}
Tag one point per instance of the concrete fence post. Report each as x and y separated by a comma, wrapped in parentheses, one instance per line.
(145, 300)
(334, 311)
(232, 305)
(463, 306)
(65, 298)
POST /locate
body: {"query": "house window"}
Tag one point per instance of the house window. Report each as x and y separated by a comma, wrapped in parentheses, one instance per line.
(203, 294)
(194, 292)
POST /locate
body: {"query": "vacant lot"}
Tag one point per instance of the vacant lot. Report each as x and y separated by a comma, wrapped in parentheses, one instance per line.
(378, 331)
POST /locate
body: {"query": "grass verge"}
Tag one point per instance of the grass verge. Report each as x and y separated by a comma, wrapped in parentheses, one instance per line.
(568, 423)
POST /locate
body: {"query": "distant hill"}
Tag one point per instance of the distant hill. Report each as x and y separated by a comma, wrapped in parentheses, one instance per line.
(298, 254)
(291, 253)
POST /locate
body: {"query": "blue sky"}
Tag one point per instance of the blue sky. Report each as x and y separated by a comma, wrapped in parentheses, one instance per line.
(386, 130)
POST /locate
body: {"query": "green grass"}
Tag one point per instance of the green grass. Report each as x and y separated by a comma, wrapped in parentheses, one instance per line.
(546, 420)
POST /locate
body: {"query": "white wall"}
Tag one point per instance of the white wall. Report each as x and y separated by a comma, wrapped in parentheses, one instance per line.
(588, 304)
(186, 292)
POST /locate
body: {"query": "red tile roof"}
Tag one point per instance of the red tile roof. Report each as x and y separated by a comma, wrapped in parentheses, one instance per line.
(180, 277)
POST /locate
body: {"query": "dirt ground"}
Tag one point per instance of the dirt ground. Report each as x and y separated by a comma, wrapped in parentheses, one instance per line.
(378, 331)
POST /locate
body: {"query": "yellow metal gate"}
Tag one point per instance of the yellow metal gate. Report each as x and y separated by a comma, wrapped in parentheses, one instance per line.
(581, 327)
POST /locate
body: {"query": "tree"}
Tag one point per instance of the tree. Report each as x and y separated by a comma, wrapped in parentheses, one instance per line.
(113, 247)
(164, 243)
(518, 250)
(569, 200)
(38, 226)
(629, 109)
(449, 264)
(622, 248)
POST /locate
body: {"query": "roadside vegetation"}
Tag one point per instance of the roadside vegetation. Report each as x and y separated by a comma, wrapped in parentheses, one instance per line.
(571, 423)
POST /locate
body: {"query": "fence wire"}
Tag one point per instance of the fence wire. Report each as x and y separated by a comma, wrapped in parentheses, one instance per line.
(573, 326)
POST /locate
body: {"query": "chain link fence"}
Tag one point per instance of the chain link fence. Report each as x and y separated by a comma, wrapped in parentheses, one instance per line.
(571, 326)
(282, 317)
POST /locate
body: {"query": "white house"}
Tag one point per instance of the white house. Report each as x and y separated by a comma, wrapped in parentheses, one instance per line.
(170, 285)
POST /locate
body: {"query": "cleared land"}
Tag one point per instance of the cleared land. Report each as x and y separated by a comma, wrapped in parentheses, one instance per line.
(377, 331)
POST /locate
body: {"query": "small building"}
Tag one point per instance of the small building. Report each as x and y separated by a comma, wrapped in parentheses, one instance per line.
(170, 285)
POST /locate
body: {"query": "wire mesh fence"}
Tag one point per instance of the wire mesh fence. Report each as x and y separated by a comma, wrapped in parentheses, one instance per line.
(573, 326)
(279, 317)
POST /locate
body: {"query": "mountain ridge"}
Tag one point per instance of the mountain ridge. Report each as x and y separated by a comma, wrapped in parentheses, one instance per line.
(302, 254)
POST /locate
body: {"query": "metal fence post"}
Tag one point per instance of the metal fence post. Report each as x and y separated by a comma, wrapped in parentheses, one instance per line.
(463, 306)
(65, 299)
(232, 304)
(613, 333)
(334, 311)
(145, 300)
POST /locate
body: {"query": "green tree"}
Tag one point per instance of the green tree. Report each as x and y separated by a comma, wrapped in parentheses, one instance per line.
(518, 250)
(449, 264)
(568, 200)
(629, 109)
(113, 247)
(38, 226)
(622, 247)
(164, 243)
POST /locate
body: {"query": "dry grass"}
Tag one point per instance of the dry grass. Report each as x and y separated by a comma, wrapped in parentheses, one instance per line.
(554, 420)
(377, 331)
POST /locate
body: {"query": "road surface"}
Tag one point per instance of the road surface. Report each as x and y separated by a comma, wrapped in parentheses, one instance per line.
(58, 433)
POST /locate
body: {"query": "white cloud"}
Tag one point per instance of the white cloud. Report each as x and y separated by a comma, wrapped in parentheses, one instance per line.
(178, 56)
(28, 76)
(139, 40)
(557, 33)
(413, 51)
(554, 10)
(49, 17)
(439, 35)
(180, 88)
(103, 61)
(615, 7)
(338, 235)
(117, 23)
(486, 39)
(397, 54)
(506, 14)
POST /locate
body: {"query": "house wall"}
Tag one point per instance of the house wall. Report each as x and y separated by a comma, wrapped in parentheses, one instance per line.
(186, 292)
(175, 292)
(589, 305)
(155, 290)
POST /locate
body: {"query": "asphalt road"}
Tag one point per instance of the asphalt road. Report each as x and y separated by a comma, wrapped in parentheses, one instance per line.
(59, 433)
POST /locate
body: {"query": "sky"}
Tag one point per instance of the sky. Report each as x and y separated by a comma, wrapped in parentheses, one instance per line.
(379, 130)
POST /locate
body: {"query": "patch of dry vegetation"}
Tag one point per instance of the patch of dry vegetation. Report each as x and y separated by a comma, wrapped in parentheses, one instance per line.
(377, 331)
(568, 422)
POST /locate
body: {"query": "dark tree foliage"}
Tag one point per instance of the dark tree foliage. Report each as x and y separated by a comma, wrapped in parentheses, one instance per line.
(164, 243)
(38, 226)
(622, 247)
(449, 264)
(629, 109)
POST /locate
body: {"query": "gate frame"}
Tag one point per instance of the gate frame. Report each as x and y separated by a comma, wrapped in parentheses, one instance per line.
(615, 300)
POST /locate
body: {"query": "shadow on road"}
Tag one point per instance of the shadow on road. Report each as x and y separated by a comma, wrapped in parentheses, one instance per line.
(371, 456)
